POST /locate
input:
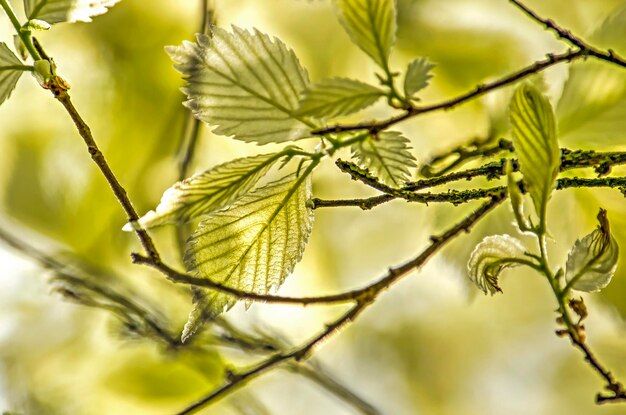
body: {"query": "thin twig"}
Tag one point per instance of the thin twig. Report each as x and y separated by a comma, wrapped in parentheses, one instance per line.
(236, 380)
(569, 37)
(479, 90)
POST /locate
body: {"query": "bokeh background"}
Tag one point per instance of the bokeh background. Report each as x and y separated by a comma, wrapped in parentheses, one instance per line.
(431, 345)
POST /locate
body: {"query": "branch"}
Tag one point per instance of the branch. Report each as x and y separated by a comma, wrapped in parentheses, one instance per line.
(569, 37)
(129, 308)
(236, 380)
(602, 162)
(376, 126)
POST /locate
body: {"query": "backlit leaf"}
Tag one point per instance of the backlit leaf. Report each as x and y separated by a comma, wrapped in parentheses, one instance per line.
(592, 260)
(388, 156)
(209, 191)
(57, 11)
(247, 85)
(490, 257)
(371, 24)
(10, 71)
(256, 243)
(535, 143)
(417, 76)
(338, 96)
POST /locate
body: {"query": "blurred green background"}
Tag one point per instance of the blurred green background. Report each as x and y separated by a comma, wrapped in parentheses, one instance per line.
(431, 345)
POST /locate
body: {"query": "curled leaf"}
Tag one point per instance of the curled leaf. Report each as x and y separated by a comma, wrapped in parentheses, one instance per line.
(490, 257)
(10, 71)
(592, 260)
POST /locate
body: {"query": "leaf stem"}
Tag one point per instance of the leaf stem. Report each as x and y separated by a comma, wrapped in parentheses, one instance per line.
(25, 35)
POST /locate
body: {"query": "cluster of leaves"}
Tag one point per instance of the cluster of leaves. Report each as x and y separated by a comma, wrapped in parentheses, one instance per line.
(592, 260)
(254, 220)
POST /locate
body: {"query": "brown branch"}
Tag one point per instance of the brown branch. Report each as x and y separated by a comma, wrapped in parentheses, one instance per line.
(569, 37)
(236, 380)
(376, 126)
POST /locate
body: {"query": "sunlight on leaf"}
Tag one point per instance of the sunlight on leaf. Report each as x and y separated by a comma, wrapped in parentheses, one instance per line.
(256, 243)
(338, 96)
(9, 72)
(247, 85)
(490, 257)
(592, 260)
(57, 11)
(209, 191)
(417, 76)
(371, 24)
(535, 143)
(388, 156)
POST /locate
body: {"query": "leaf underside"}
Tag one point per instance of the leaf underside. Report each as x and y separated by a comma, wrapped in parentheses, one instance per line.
(255, 244)
(209, 191)
(535, 143)
(8, 75)
(490, 257)
(371, 25)
(246, 85)
(338, 96)
(57, 11)
(388, 156)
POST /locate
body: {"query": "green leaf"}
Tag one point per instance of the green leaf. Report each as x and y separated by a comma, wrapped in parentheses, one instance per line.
(338, 96)
(417, 76)
(371, 24)
(256, 243)
(246, 84)
(57, 11)
(209, 191)
(11, 68)
(517, 199)
(592, 260)
(535, 143)
(387, 155)
(490, 257)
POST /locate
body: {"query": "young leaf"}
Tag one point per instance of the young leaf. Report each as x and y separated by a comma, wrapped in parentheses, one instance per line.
(57, 11)
(592, 260)
(387, 155)
(371, 24)
(490, 257)
(517, 199)
(417, 76)
(256, 243)
(338, 96)
(209, 191)
(246, 84)
(11, 68)
(535, 143)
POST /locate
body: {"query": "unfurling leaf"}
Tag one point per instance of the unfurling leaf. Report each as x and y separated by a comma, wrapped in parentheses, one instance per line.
(371, 24)
(592, 260)
(387, 155)
(517, 199)
(10, 71)
(57, 11)
(535, 143)
(209, 191)
(490, 257)
(338, 96)
(256, 243)
(247, 85)
(417, 76)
